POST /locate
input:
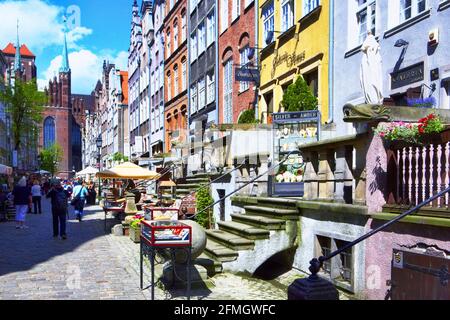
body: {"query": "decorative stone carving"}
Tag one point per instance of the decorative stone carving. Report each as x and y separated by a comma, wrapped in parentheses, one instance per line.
(366, 113)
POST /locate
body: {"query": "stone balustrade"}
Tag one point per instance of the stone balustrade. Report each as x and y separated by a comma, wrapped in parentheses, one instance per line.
(336, 170)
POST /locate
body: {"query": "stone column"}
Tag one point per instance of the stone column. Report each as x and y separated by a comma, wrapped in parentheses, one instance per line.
(311, 186)
(342, 174)
(325, 175)
(360, 173)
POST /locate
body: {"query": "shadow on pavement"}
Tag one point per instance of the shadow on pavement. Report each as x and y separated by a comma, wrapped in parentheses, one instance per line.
(21, 250)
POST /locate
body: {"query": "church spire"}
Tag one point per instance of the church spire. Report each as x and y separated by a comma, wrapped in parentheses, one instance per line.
(18, 59)
(65, 68)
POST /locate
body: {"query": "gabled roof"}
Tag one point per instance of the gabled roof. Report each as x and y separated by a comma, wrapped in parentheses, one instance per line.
(24, 51)
(124, 80)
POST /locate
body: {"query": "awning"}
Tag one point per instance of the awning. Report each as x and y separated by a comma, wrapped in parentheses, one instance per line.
(6, 170)
(128, 170)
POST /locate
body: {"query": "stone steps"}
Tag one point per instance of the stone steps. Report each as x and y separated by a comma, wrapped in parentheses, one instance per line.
(244, 230)
(230, 240)
(284, 214)
(212, 265)
(219, 252)
(260, 221)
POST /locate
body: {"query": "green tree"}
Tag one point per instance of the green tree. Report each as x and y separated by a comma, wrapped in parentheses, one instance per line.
(25, 105)
(248, 116)
(118, 157)
(204, 200)
(298, 97)
(50, 157)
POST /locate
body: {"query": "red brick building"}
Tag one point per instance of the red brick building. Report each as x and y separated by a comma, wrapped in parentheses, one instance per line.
(28, 60)
(236, 36)
(176, 73)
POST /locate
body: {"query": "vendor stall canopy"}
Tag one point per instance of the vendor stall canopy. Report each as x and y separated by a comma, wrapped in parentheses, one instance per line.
(128, 170)
(87, 171)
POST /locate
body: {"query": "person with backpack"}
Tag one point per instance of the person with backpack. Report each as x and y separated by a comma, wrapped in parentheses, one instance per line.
(59, 198)
(80, 194)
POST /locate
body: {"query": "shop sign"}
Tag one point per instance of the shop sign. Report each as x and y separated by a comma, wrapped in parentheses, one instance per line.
(302, 116)
(247, 74)
(291, 60)
(406, 76)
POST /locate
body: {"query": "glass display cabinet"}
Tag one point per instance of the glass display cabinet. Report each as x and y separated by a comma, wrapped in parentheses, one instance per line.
(291, 130)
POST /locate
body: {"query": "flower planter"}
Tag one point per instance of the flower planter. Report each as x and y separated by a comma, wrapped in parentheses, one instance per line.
(135, 235)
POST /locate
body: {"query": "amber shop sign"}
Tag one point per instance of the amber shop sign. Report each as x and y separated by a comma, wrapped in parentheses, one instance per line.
(406, 76)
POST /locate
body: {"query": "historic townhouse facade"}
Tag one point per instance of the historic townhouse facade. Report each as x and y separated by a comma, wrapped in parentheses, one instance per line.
(294, 37)
(415, 54)
(134, 77)
(236, 48)
(157, 49)
(202, 46)
(176, 74)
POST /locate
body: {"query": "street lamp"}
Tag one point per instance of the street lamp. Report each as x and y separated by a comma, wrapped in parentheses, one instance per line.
(99, 143)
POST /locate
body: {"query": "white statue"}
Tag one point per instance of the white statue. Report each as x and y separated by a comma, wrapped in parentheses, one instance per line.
(371, 71)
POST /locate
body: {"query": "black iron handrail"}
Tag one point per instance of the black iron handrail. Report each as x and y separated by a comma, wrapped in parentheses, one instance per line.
(317, 263)
(246, 184)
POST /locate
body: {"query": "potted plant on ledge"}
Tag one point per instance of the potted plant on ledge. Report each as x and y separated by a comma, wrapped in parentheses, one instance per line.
(135, 230)
(401, 134)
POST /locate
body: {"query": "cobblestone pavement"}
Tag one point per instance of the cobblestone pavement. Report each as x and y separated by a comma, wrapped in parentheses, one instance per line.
(92, 265)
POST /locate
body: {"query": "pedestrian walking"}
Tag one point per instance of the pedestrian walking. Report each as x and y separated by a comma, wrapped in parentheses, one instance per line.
(92, 193)
(36, 193)
(59, 198)
(80, 194)
(22, 201)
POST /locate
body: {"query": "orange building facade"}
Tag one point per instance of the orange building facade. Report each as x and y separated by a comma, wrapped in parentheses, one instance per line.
(176, 74)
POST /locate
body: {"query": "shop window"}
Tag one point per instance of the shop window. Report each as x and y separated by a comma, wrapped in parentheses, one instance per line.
(312, 79)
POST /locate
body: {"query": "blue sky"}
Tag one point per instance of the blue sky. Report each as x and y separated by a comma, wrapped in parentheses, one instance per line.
(99, 29)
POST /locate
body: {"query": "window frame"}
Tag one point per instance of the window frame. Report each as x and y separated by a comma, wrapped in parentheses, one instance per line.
(414, 9)
(309, 6)
(366, 7)
(268, 20)
(228, 91)
(286, 25)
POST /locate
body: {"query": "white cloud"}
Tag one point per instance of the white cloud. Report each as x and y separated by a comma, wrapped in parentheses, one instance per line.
(86, 69)
(40, 23)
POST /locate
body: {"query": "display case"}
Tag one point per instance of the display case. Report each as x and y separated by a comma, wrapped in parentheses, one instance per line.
(166, 233)
(291, 130)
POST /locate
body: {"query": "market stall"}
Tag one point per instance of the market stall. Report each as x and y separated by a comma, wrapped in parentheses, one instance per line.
(87, 174)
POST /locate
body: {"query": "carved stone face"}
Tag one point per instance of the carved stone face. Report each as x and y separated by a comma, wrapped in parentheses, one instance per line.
(365, 113)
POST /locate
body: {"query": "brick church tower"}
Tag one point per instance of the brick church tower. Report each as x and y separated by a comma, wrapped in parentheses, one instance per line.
(57, 118)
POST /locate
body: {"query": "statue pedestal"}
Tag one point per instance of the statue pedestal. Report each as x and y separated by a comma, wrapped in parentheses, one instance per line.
(312, 288)
(178, 279)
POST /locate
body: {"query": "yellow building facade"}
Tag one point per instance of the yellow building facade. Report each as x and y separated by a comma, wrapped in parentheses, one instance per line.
(297, 46)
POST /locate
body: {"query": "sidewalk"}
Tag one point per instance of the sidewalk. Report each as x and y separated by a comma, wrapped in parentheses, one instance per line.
(92, 265)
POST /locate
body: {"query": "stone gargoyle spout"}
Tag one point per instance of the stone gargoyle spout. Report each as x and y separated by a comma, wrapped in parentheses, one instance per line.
(366, 113)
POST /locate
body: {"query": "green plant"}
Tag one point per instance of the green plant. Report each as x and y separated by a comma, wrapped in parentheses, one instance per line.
(410, 132)
(204, 200)
(25, 104)
(298, 97)
(50, 157)
(136, 224)
(248, 116)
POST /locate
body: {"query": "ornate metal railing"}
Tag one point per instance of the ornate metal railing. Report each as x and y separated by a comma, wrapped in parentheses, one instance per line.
(317, 263)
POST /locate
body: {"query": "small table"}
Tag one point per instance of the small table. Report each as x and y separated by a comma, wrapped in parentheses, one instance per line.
(154, 236)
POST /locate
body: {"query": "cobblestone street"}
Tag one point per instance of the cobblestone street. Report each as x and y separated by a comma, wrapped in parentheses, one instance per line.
(92, 265)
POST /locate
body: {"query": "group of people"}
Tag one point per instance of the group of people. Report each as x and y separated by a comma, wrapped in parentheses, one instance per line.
(76, 192)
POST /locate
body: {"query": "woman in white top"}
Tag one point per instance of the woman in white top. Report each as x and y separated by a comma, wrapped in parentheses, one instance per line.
(36, 193)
